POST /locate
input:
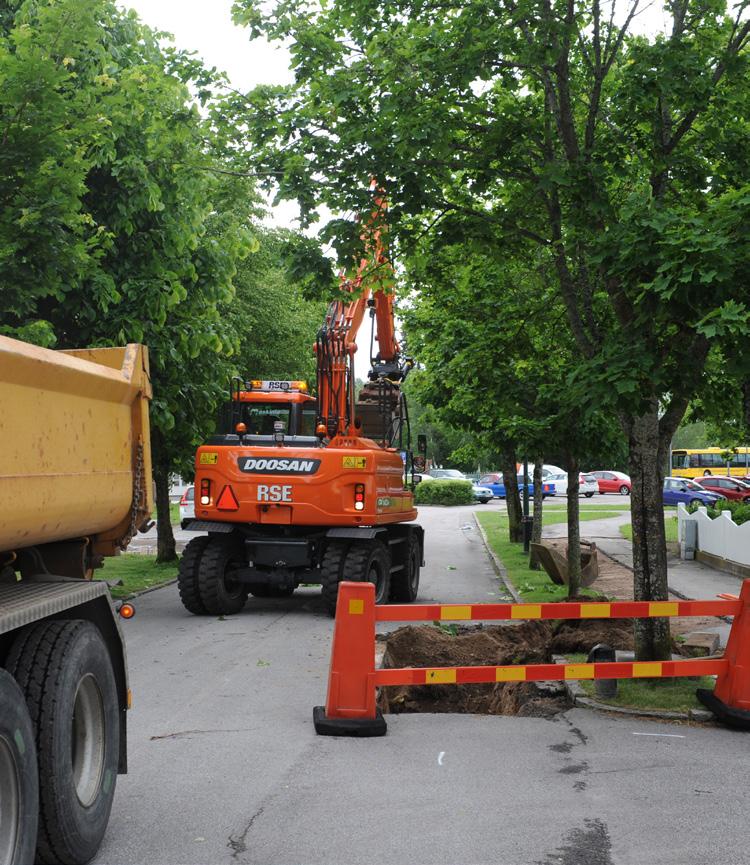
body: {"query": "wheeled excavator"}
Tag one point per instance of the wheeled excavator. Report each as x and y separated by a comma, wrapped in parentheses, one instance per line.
(302, 489)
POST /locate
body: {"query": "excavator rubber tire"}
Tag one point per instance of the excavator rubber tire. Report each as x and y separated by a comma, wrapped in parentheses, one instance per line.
(331, 568)
(405, 583)
(187, 576)
(219, 596)
(369, 561)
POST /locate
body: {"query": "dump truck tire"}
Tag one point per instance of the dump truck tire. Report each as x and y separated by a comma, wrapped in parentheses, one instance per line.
(19, 781)
(330, 573)
(187, 576)
(405, 583)
(219, 595)
(369, 561)
(65, 673)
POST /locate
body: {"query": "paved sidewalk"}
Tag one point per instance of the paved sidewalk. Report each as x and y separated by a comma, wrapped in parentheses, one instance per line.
(689, 580)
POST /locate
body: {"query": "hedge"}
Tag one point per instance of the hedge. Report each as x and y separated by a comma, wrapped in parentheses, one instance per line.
(740, 511)
(444, 493)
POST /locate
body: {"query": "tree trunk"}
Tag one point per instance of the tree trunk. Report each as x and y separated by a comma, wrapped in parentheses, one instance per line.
(536, 526)
(166, 549)
(512, 496)
(652, 638)
(574, 528)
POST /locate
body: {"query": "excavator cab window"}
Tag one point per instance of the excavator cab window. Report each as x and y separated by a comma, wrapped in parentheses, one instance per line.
(260, 417)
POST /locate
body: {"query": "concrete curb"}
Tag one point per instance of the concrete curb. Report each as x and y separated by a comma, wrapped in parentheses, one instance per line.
(497, 564)
(579, 698)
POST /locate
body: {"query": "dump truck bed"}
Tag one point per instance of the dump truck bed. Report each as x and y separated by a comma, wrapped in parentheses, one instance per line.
(75, 458)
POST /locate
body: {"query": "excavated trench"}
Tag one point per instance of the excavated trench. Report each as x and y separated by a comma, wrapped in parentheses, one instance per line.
(532, 642)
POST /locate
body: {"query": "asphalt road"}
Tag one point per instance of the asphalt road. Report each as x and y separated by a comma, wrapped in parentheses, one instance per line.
(225, 766)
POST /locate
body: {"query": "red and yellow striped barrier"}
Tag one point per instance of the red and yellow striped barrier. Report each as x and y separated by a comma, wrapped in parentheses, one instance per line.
(350, 708)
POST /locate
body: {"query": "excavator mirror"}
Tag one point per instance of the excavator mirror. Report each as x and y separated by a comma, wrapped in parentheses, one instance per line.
(422, 444)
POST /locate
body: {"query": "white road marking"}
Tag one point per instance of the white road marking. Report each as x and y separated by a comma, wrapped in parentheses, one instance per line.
(666, 735)
(440, 758)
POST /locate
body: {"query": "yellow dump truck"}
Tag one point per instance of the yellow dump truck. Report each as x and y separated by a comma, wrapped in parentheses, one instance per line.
(75, 486)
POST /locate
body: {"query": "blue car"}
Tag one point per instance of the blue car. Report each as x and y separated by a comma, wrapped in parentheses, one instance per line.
(495, 482)
(678, 490)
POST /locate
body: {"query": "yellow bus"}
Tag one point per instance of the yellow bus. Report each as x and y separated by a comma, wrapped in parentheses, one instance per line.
(695, 462)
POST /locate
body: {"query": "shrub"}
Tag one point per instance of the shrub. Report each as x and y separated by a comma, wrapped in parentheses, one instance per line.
(740, 511)
(444, 493)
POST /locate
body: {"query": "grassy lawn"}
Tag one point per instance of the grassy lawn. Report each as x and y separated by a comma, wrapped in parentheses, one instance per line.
(174, 514)
(670, 529)
(137, 572)
(670, 695)
(533, 586)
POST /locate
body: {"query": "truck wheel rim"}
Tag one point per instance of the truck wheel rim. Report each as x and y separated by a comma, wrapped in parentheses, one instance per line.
(88, 740)
(10, 797)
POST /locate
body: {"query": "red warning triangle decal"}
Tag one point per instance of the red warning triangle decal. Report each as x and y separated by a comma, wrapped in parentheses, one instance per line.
(227, 501)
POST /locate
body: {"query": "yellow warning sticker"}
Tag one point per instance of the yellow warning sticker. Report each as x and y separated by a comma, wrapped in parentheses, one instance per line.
(354, 462)
(440, 677)
(595, 611)
(579, 671)
(526, 611)
(208, 459)
(663, 608)
(463, 612)
(510, 674)
(356, 607)
(647, 668)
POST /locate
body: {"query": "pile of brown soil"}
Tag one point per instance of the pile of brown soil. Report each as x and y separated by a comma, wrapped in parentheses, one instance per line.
(431, 646)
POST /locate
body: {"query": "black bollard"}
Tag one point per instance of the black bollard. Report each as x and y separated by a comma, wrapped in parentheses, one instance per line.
(600, 654)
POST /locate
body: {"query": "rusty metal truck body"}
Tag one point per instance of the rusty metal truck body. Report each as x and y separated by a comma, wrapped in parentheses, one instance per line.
(75, 486)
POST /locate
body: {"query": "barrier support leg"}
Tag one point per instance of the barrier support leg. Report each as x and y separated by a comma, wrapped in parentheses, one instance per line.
(730, 698)
(350, 707)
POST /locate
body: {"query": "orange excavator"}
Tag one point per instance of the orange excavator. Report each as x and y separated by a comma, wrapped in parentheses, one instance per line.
(305, 490)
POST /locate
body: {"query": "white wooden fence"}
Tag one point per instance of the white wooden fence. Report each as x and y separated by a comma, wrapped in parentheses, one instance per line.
(720, 537)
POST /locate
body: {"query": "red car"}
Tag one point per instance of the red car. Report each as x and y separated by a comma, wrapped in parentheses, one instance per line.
(612, 482)
(732, 488)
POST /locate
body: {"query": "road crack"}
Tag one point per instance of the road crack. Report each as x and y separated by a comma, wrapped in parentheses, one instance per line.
(238, 843)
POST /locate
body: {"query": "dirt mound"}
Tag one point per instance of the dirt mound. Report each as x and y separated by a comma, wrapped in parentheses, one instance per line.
(581, 635)
(431, 646)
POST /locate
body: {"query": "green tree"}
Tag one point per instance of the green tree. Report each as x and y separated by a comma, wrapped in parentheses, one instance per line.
(621, 157)
(116, 223)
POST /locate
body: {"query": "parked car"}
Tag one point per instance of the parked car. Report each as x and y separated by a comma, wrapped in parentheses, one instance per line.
(684, 490)
(187, 504)
(612, 482)
(495, 482)
(731, 488)
(482, 494)
(587, 484)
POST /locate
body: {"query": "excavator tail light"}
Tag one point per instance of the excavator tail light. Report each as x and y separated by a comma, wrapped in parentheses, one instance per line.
(359, 497)
(205, 491)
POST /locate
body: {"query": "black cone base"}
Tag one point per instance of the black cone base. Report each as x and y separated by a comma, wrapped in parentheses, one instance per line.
(361, 727)
(737, 718)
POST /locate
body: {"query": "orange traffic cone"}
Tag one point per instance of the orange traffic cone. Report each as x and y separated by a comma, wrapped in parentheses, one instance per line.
(730, 698)
(350, 706)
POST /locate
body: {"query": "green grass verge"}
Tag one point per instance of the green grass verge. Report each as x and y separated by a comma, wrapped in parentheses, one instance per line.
(533, 586)
(670, 695)
(137, 573)
(174, 514)
(670, 530)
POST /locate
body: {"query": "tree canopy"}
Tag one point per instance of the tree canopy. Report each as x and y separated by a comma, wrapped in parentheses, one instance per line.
(546, 126)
